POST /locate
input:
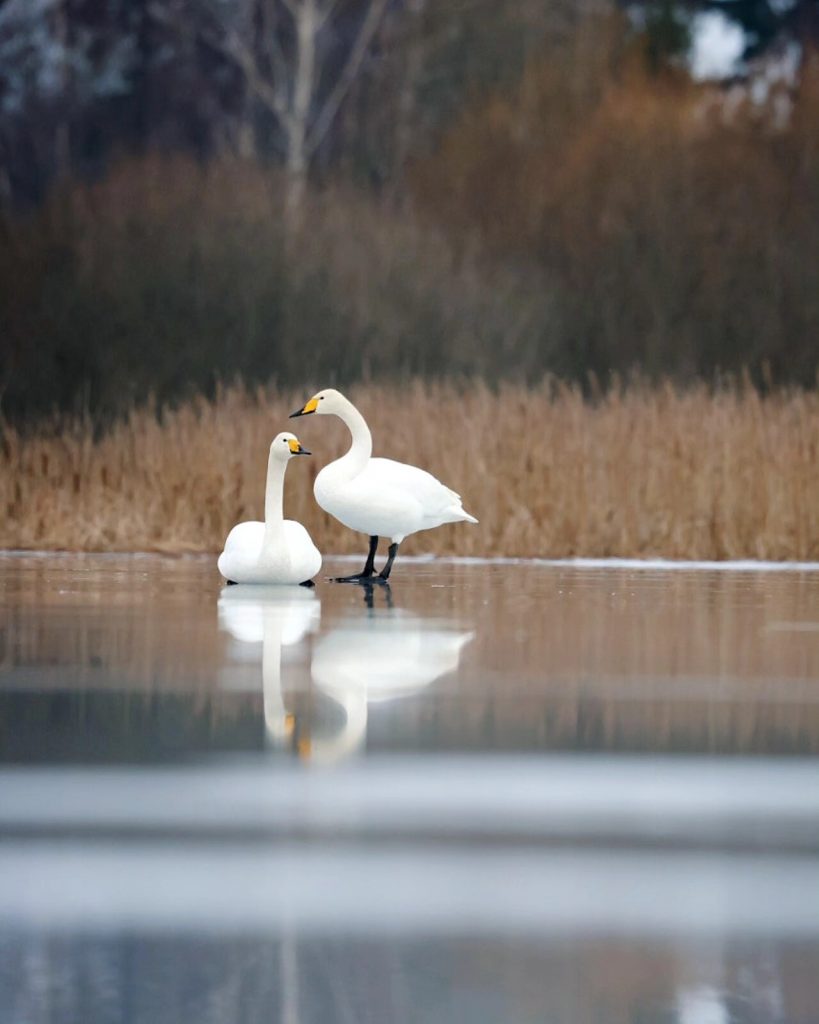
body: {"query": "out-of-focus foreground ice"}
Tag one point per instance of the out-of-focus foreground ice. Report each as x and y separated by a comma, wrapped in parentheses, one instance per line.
(489, 792)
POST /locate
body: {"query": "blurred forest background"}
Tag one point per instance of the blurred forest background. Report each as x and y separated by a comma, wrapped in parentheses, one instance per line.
(329, 191)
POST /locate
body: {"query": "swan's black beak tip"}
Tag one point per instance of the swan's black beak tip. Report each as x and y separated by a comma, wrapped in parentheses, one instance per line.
(306, 409)
(303, 451)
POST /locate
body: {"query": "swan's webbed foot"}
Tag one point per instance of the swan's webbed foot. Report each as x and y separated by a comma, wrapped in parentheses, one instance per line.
(358, 577)
(367, 574)
(307, 583)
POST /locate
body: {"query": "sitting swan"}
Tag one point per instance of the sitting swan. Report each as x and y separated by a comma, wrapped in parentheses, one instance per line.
(277, 550)
(378, 497)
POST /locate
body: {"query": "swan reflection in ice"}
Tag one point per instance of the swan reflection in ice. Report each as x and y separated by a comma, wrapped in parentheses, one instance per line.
(271, 618)
(381, 655)
(701, 1004)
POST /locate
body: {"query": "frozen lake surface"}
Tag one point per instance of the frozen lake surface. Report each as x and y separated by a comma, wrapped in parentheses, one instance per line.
(493, 792)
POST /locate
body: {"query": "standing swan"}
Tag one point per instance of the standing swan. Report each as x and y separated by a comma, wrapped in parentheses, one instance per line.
(277, 550)
(378, 497)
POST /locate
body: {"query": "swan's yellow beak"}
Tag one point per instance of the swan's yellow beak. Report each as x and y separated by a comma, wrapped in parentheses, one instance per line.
(296, 447)
(311, 406)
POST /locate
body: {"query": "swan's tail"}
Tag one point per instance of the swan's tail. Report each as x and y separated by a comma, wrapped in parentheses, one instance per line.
(460, 515)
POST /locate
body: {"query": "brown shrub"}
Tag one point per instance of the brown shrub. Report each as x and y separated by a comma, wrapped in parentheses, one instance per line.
(680, 237)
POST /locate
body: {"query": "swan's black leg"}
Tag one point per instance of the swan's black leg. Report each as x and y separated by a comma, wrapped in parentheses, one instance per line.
(385, 572)
(369, 567)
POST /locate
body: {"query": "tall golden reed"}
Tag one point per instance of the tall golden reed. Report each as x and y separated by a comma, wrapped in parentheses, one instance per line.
(638, 472)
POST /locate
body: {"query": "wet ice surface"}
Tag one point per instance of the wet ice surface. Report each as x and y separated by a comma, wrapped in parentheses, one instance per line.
(492, 793)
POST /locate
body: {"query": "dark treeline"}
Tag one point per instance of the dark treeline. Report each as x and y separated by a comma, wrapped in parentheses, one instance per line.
(193, 190)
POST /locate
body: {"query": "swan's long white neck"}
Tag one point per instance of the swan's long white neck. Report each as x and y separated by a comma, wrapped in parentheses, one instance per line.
(274, 711)
(277, 721)
(352, 736)
(361, 448)
(274, 498)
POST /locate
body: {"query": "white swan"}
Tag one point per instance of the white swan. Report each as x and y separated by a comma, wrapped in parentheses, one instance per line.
(277, 550)
(379, 497)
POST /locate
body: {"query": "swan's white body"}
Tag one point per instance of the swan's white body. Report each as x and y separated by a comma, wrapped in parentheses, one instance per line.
(251, 557)
(277, 550)
(379, 497)
(386, 498)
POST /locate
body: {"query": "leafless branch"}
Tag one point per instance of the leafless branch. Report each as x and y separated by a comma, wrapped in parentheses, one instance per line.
(267, 93)
(325, 11)
(347, 76)
(231, 46)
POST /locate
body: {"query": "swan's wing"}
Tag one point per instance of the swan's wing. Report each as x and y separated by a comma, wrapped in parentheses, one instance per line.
(305, 557)
(429, 491)
(245, 538)
(296, 536)
(242, 547)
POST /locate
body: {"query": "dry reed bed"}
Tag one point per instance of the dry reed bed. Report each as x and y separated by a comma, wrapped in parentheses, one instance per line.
(639, 472)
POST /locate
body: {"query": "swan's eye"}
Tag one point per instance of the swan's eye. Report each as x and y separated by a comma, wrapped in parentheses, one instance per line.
(321, 398)
(284, 441)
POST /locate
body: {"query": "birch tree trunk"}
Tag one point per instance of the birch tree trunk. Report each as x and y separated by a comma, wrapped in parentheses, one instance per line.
(277, 52)
(413, 68)
(283, 78)
(307, 22)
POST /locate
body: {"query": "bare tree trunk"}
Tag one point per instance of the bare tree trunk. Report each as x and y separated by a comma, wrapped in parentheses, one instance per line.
(307, 23)
(252, 19)
(285, 84)
(413, 66)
